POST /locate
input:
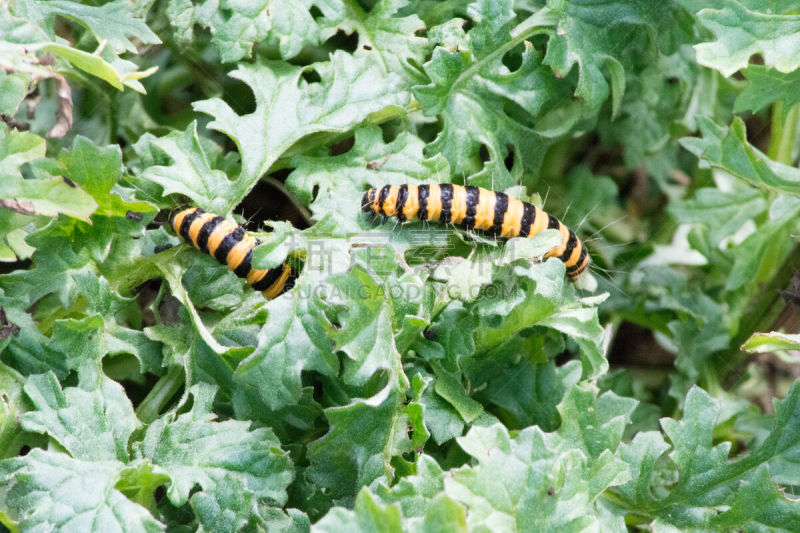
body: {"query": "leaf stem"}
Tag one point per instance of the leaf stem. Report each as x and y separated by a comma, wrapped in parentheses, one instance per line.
(160, 394)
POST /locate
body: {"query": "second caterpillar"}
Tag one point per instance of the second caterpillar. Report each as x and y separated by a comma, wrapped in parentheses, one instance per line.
(229, 244)
(472, 207)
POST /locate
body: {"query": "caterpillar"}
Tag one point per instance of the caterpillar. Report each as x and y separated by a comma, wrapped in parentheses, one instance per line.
(229, 244)
(472, 207)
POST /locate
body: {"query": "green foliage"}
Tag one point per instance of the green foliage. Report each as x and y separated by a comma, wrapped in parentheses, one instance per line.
(417, 377)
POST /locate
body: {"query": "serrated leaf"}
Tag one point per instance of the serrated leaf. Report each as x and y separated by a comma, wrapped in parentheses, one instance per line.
(189, 172)
(46, 196)
(742, 31)
(525, 481)
(119, 73)
(351, 89)
(468, 90)
(768, 86)
(357, 448)
(759, 506)
(391, 38)
(754, 257)
(598, 422)
(12, 405)
(228, 508)
(13, 88)
(236, 26)
(705, 475)
(292, 340)
(97, 170)
(536, 295)
(196, 450)
(29, 27)
(52, 491)
(114, 22)
(729, 150)
(594, 37)
(335, 183)
(722, 212)
(365, 331)
(366, 517)
(92, 422)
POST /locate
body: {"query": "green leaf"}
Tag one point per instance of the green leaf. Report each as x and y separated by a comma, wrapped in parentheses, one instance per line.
(537, 295)
(754, 257)
(12, 236)
(722, 212)
(46, 196)
(594, 37)
(771, 342)
(189, 171)
(759, 505)
(470, 91)
(729, 150)
(274, 250)
(368, 516)
(335, 183)
(768, 86)
(357, 449)
(390, 38)
(114, 22)
(598, 422)
(228, 508)
(706, 477)
(52, 491)
(13, 405)
(292, 340)
(119, 73)
(642, 455)
(449, 388)
(13, 88)
(92, 421)
(196, 450)
(526, 482)
(29, 27)
(237, 26)
(97, 170)
(742, 31)
(349, 91)
(365, 330)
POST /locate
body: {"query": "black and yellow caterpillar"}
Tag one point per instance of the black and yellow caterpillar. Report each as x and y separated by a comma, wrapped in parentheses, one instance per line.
(229, 244)
(473, 207)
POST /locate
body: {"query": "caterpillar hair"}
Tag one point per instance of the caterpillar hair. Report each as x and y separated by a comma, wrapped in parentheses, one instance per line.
(494, 213)
(229, 244)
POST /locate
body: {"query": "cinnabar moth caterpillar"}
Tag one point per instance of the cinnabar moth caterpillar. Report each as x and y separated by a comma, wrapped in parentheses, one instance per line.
(472, 207)
(231, 245)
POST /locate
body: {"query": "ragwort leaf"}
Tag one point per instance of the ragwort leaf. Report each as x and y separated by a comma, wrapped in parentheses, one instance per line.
(768, 86)
(236, 26)
(742, 31)
(288, 108)
(50, 491)
(728, 149)
(195, 450)
(472, 89)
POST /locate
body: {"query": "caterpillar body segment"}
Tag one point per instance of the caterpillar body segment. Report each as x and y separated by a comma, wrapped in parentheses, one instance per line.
(229, 244)
(494, 213)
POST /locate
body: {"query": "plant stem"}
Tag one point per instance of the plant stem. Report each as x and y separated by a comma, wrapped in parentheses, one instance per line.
(783, 134)
(160, 394)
